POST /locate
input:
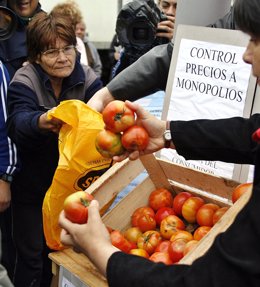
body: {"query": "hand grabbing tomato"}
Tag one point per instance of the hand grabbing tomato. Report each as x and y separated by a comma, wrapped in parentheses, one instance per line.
(76, 206)
(118, 117)
(135, 138)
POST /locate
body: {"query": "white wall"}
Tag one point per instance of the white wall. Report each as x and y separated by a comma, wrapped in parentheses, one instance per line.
(99, 15)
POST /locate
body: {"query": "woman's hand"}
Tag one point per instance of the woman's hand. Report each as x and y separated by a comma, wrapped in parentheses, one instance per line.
(47, 124)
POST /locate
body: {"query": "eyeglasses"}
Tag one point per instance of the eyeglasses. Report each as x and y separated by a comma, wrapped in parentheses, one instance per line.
(54, 53)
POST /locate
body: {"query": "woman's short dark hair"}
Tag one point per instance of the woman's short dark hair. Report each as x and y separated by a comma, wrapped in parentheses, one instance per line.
(247, 16)
(43, 32)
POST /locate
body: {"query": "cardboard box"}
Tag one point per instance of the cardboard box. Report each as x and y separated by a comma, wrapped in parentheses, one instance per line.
(160, 173)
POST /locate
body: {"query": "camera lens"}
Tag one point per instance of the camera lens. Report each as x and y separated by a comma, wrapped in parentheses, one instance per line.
(7, 23)
(140, 34)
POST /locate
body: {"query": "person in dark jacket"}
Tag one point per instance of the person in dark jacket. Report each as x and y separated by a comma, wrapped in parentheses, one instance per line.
(234, 257)
(54, 74)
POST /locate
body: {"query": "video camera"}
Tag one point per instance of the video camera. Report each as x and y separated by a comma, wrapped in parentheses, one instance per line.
(8, 22)
(136, 27)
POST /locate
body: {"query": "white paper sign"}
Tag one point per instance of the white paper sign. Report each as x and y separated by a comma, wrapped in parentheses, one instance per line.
(67, 279)
(211, 82)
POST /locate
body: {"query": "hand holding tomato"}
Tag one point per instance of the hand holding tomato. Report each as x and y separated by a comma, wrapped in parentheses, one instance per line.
(91, 238)
(154, 127)
(76, 206)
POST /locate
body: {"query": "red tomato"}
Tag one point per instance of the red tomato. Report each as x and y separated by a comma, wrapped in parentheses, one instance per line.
(118, 117)
(218, 214)
(132, 234)
(119, 241)
(135, 138)
(163, 246)
(109, 144)
(170, 225)
(176, 249)
(139, 252)
(149, 241)
(190, 208)
(190, 246)
(181, 234)
(160, 197)
(200, 232)
(161, 213)
(163, 257)
(76, 206)
(205, 214)
(139, 212)
(241, 189)
(178, 201)
(146, 222)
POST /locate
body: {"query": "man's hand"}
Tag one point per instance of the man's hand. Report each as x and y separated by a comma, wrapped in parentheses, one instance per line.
(47, 124)
(5, 195)
(166, 28)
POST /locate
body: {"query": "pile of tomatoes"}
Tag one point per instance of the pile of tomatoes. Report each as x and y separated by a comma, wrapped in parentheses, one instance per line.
(120, 132)
(170, 226)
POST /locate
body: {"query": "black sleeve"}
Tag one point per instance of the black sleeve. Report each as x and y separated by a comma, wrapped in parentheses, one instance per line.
(228, 140)
(152, 69)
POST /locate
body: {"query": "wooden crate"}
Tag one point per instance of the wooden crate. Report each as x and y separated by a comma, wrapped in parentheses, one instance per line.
(160, 173)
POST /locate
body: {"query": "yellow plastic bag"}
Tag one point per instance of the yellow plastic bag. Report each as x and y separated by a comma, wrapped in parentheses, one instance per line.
(79, 163)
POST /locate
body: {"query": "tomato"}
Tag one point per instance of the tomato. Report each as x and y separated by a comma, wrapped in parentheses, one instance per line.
(160, 197)
(132, 234)
(161, 213)
(218, 214)
(178, 201)
(163, 246)
(190, 208)
(170, 225)
(119, 241)
(200, 232)
(190, 246)
(139, 252)
(117, 116)
(76, 206)
(149, 241)
(205, 214)
(146, 222)
(181, 234)
(163, 257)
(176, 249)
(241, 189)
(109, 144)
(135, 138)
(139, 212)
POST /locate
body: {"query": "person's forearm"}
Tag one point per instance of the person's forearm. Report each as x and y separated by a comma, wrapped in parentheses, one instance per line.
(148, 74)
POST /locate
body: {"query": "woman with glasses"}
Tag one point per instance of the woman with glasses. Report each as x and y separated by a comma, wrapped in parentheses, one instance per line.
(54, 74)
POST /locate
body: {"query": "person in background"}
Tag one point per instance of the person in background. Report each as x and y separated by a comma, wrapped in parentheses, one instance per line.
(8, 155)
(234, 257)
(54, 74)
(164, 34)
(71, 10)
(92, 54)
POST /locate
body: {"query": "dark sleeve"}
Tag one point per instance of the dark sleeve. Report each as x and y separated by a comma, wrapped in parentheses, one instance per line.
(226, 22)
(226, 140)
(152, 69)
(22, 122)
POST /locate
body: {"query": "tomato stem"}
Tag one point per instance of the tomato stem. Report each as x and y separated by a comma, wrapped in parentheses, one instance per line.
(84, 202)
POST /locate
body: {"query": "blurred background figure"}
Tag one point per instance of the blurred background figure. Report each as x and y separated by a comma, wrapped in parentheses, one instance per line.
(92, 54)
(72, 11)
(141, 25)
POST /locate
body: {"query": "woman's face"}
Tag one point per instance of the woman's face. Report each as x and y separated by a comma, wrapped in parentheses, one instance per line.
(23, 8)
(58, 63)
(252, 56)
